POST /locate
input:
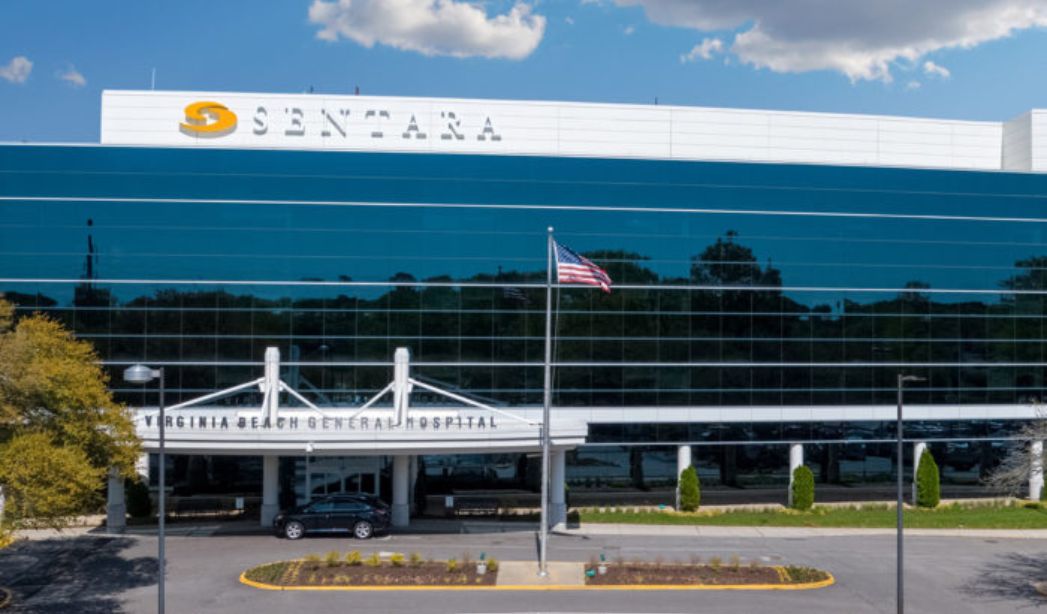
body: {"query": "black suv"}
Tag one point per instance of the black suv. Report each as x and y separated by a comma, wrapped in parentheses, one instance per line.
(361, 515)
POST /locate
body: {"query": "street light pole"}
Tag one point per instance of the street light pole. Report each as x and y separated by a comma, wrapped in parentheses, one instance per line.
(901, 474)
(141, 374)
(547, 400)
(162, 503)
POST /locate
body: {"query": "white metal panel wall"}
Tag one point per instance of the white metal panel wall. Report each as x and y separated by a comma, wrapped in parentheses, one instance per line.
(1038, 140)
(1017, 143)
(369, 123)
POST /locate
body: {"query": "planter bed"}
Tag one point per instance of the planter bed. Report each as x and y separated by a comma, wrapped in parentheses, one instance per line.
(707, 575)
(301, 573)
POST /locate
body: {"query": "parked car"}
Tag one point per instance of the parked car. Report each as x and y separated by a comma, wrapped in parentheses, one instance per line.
(360, 515)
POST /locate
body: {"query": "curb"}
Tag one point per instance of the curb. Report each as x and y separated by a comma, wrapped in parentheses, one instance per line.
(555, 587)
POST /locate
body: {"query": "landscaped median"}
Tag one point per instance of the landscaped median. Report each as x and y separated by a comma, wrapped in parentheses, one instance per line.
(1000, 515)
(354, 570)
(396, 572)
(712, 575)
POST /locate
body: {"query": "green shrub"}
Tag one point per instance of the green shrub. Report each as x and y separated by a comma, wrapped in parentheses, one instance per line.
(802, 489)
(354, 559)
(803, 575)
(928, 488)
(416, 559)
(396, 559)
(452, 565)
(492, 564)
(332, 558)
(374, 560)
(312, 561)
(690, 490)
(139, 505)
(269, 573)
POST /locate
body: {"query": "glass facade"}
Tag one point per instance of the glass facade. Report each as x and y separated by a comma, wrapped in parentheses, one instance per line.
(737, 284)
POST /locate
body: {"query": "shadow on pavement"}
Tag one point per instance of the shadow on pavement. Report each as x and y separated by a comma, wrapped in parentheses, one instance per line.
(1010, 577)
(73, 574)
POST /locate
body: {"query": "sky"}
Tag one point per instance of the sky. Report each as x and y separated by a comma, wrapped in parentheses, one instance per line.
(964, 59)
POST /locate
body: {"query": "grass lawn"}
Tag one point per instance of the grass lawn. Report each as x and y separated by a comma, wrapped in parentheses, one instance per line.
(1000, 516)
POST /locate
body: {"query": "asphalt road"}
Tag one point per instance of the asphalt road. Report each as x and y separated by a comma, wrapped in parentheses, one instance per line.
(955, 575)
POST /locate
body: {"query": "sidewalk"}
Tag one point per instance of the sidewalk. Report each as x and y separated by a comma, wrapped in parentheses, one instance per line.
(793, 532)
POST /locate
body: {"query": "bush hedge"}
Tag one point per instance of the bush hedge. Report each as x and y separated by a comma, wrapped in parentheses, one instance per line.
(690, 490)
(139, 505)
(802, 489)
(928, 488)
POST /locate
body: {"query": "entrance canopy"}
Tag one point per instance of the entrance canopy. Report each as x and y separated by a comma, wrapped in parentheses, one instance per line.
(462, 426)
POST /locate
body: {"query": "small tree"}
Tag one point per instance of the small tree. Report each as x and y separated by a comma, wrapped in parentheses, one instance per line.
(690, 490)
(46, 483)
(1013, 474)
(802, 489)
(928, 488)
(60, 430)
(52, 383)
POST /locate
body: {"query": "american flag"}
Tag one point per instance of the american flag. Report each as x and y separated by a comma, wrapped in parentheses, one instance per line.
(572, 268)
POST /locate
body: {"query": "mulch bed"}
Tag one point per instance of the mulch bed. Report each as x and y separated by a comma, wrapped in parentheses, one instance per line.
(680, 573)
(301, 573)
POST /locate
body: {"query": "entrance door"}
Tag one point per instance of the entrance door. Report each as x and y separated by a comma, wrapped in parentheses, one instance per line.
(331, 475)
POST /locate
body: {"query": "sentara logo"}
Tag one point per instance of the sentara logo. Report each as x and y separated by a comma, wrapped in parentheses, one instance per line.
(207, 119)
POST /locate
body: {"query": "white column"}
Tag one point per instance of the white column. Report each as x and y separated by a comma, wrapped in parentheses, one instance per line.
(412, 472)
(115, 507)
(557, 503)
(683, 461)
(401, 387)
(272, 383)
(401, 487)
(142, 468)
(795, 462)
(270, 489)
(917, 452)
(1035, 470)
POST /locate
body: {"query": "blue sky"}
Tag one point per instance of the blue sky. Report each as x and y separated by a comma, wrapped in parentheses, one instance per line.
(970, 59)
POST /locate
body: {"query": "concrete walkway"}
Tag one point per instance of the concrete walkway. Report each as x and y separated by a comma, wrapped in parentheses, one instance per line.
(593, 529)
(525, 573)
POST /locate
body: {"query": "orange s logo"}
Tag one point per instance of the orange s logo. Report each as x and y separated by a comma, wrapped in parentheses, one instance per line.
(208, 120)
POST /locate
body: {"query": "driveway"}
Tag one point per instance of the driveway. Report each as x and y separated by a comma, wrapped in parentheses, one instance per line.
(98, 573)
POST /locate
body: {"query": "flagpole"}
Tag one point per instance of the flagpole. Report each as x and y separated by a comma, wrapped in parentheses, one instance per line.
(543, 539)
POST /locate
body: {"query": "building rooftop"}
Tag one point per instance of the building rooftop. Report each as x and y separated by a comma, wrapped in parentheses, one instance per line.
(576, 129)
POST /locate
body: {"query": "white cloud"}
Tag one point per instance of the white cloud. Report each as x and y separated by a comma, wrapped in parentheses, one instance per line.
(704, 50)
(859, 38)
(431, 27)
(629, 30)
(72, 76)
(17, 70)
(912, 85)
(935, 70)
(569, 20)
